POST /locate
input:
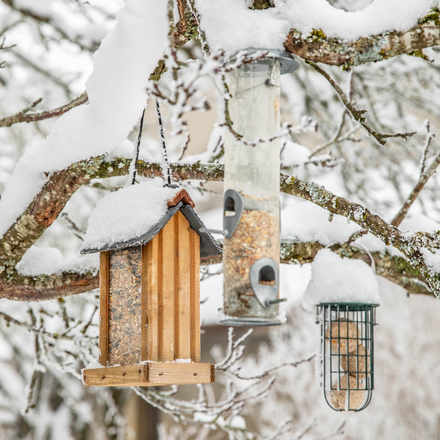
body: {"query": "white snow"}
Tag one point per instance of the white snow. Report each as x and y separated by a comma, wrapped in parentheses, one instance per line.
(48, 261)
(127, 213)
(125, 149)
(117, 94)
(309, 222)
(294, 154)
(336, 279)
(419, 222)
(431, 259)
(230, 25)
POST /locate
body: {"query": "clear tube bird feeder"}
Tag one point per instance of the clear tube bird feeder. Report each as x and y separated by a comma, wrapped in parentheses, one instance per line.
(347, 354)
(252, 184)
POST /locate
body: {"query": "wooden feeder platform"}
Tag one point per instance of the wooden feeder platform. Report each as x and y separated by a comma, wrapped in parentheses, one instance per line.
(150, 374)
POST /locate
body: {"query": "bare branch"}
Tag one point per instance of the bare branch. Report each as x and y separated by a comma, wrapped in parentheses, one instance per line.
(429, 136)
(25, 116)
(45, 287)
(357, 114)
(423, 180)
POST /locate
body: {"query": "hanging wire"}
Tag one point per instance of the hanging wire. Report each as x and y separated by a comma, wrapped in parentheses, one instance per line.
(136, 159)
(166, 167)
(359, 246)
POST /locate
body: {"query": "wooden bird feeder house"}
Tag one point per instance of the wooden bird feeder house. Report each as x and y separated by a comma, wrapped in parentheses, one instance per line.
(150, 303)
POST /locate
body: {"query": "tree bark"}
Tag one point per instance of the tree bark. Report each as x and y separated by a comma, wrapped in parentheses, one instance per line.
(46, 287)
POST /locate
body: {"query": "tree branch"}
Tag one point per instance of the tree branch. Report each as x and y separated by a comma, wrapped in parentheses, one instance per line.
(46, 287)
(355, 113)
(62, 185)
(425, 175)
(333, 51)
(25, 116)
(54, 195)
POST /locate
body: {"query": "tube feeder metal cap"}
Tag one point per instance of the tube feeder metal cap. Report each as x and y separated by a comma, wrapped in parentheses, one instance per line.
(288, 64)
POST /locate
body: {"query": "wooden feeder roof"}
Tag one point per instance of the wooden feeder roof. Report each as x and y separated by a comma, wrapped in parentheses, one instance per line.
(180, 202)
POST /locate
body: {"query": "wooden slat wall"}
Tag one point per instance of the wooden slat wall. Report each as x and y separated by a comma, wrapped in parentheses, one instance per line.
(151, 297)
(104, 286)
(166, 308)
(171, 293)
(195, 295)
(182, 283)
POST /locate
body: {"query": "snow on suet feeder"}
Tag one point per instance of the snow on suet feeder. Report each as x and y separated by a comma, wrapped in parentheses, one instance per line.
(251, 222)
(150, 250)
(345, 294)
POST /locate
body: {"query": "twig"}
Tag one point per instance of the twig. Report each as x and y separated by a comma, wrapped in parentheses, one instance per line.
(45, 72)
(25, 116)
(307, 124)
(30, 392)
(423, 179)
(184, 146)
(304, 431)
(72, 227)
(266, 372)
(339, 431)
(358, 234)
(333, 139)
(429, 136)
(355, 113)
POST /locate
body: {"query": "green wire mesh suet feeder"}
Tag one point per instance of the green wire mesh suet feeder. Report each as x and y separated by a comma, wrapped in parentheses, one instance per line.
(346, 360)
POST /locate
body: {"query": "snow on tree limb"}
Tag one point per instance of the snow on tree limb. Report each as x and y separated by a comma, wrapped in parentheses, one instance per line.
(62, 185)
(336, 52)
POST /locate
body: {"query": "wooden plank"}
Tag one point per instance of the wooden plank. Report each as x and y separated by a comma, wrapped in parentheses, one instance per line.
(104, 285)
(166, 307)
(144, 304)
(195, 295)
(182, 290)
(178, 373)
(131, 375)
(153, 283)
(149, 374)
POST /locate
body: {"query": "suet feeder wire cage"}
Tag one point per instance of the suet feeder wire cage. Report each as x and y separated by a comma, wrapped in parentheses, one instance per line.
(347, 354)
(251, 222)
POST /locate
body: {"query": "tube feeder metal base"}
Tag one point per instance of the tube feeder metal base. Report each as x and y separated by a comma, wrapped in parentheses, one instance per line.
(230, 321)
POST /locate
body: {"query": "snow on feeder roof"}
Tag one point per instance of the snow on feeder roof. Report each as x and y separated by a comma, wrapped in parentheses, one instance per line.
(134, 215)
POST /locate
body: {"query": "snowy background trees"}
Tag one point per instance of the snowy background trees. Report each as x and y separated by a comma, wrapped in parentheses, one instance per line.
(350, 185)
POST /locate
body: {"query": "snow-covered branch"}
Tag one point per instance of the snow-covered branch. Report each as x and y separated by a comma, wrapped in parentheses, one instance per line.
(62, 185)
(337, 52)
